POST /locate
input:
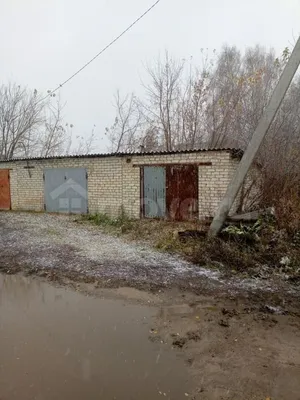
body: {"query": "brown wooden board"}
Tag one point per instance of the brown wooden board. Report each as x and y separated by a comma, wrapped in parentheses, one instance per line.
(203, 163)
(4, 190)
(182, 192)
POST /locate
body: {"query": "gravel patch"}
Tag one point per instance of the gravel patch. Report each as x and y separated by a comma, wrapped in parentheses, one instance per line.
(56, 242)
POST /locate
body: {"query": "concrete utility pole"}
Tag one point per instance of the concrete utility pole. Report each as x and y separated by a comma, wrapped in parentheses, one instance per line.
(260, 132)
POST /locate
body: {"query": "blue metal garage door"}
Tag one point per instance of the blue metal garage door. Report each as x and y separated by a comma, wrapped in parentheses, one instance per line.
(154, 192)
(66, 190)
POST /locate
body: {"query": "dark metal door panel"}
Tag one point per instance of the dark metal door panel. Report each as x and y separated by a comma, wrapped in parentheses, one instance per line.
(66, 190)
(4, 190)
(154, 192)
(182, 192)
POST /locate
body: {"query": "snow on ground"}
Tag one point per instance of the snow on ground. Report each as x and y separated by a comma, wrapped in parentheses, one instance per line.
(56, 242)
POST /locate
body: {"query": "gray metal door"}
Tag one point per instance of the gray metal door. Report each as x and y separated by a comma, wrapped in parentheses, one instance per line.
(66, 190)
(154, 192)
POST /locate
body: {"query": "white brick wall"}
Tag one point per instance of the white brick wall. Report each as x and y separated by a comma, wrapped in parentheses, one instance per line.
(114, 182)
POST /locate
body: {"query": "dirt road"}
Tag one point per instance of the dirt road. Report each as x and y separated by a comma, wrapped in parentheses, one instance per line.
(57, 247)
(56, 342)
(200, 335)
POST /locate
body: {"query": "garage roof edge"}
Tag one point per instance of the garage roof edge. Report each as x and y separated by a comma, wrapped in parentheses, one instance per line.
(237, 153)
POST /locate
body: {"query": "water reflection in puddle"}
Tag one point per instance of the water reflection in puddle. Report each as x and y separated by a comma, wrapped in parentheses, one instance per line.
(58, 344)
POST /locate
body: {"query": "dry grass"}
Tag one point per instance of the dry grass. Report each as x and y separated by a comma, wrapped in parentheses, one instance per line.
(233, 253)
(156, 232)
(159, 231)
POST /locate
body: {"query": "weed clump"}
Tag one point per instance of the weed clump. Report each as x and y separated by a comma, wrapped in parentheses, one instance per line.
(122, 221)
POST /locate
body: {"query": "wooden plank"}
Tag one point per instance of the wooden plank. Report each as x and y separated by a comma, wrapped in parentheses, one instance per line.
(208, 163)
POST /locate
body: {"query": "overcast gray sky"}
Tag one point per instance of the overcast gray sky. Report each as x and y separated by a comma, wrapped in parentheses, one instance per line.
(44, 41)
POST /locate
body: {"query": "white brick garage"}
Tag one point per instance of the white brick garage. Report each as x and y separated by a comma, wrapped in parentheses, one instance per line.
(114, 180)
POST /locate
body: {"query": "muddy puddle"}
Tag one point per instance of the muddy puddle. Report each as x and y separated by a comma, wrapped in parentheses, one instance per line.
(56, 343)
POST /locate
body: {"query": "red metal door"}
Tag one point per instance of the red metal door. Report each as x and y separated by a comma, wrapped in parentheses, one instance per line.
(182, 192)
(4, 190)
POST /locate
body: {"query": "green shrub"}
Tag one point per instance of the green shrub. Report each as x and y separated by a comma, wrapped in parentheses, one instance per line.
(242, 232)
(122, 221)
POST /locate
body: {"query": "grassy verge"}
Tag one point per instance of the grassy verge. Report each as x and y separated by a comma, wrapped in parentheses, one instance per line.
(260, 249)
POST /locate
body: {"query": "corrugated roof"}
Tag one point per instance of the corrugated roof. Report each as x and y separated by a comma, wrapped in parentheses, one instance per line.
(233, 151)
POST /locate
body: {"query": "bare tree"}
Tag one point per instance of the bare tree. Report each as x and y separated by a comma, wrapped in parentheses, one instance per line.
(32, 125)
(162, 105)
(217, 104)
(82, 144)
(53, 138)
(21, 115)
(150, 141)
(124, 133)
(225, 93)
(193, 104)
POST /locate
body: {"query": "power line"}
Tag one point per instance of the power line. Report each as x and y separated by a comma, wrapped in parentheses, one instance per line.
(105, 48)
(51, 92)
